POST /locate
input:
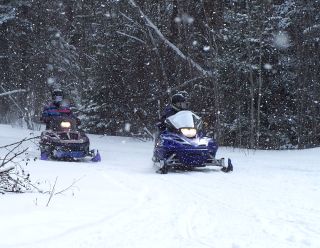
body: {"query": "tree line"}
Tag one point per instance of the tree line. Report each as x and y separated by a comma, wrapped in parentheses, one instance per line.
(251, 67)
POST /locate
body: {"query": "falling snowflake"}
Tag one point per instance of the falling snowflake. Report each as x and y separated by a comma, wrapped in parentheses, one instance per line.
(177, 19)
(187, 19)
(184, 18)
(281, 40)
(267, 66)
(50, 81)
(127, 127)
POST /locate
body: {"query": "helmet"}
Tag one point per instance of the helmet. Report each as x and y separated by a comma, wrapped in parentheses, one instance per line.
(57, 96)
(184, 93)
(179, 102)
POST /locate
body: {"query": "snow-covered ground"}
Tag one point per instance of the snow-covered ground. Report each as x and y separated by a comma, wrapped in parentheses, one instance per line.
(272, 199)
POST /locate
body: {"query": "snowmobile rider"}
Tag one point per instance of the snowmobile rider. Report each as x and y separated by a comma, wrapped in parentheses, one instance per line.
(179, 102)
(57, 107)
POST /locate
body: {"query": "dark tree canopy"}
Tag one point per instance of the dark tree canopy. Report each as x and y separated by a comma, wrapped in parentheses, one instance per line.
(251, 67)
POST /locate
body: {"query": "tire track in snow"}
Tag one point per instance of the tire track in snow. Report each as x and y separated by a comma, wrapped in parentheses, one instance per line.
(269, 222)
(93, 224)
(162, 203)
(187, 210)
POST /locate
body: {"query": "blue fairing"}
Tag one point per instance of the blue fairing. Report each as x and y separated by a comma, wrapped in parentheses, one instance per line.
(72, 150)
(195, 152)
(70, 154)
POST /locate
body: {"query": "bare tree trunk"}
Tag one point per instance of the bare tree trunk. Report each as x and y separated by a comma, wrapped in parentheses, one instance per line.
(251, 80)
(252, 122)
(213, 16)
(259, 94)
(155, 48)
(240, 126)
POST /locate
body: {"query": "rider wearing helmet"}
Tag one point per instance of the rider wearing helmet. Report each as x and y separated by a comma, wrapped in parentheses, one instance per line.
(57, 97)
(179, 101)
(56, 108)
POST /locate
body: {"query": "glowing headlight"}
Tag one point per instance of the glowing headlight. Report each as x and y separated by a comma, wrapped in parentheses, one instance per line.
(65, 124)
(189, 132)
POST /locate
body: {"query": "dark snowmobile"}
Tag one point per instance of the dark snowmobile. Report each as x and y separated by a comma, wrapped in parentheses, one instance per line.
(63, 140)
(184, 146)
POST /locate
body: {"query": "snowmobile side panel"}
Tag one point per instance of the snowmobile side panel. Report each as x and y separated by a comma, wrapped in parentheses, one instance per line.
(69, 154)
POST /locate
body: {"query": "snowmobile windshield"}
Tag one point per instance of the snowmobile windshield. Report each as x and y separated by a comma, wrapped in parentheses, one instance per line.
(185, 119)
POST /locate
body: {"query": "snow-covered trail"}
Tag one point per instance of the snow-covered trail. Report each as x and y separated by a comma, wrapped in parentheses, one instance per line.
(272, 199)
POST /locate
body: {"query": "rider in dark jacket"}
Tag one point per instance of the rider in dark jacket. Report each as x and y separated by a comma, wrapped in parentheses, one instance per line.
(56, 108)
(178, 102)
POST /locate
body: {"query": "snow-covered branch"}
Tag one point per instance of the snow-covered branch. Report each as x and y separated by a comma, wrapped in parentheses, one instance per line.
(184, 84)
(132, 37)
(311, 29)
(13, 177)
(6, 17)
(12, 92)
(170, 44)
(6, 169)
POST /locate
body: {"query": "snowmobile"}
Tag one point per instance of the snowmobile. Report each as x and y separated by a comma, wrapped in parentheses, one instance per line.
(183, 145)
(64, 140)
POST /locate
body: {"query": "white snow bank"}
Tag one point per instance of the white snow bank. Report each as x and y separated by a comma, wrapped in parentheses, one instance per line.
(270, 200)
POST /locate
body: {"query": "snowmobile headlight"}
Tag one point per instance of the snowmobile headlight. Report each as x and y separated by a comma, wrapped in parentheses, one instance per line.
(189, 132)
(65, 124)
(159, 143)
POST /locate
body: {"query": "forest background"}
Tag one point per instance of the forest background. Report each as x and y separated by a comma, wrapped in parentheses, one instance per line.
(251, 67)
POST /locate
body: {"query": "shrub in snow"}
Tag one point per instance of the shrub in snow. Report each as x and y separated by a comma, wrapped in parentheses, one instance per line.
(13, 177)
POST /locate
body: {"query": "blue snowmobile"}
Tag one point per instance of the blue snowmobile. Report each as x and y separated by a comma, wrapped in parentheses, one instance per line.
(184, 146)
(65, 141)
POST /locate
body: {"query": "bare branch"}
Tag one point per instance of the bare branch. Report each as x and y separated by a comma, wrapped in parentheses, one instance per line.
(52, 191)
(13, 178)
(69, 187)
(184, 84)
(131, 20)
(169, 44)
(12, 92)
(6, 169)
(132, 37)
(20, 142)
(181, 86)
(6, 161)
